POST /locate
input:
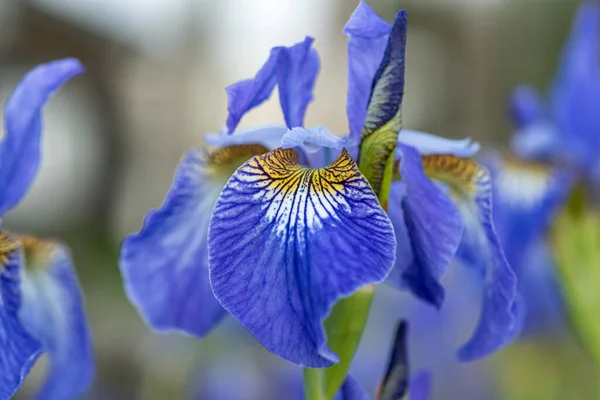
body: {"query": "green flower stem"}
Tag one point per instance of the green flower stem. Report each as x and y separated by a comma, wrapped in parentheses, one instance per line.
(313, 388)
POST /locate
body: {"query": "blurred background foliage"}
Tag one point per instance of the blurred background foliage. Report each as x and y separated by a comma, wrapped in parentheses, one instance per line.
(155, 84)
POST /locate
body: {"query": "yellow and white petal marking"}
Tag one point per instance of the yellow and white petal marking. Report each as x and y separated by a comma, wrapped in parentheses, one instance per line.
(7, 246)
(524, 183)
(286, 242)
(293, 191)
(36, 252)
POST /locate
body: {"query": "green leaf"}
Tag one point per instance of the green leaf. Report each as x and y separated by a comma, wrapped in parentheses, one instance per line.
(345, 327)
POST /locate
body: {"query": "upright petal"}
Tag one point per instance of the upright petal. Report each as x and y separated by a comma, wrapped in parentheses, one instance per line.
(286, 242)
(244, 95)
(165, 265)
(297, 72)
(18, 349)
(395, 381)
(471, 186)
(367, 39)
(526, 107)
(20, 147)
(576, 90)
(434, 228)
(53, 312)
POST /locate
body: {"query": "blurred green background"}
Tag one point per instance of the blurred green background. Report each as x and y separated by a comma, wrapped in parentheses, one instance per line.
(155, 84)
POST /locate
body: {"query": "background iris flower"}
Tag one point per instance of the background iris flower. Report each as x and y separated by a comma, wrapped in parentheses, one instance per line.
(41, 306)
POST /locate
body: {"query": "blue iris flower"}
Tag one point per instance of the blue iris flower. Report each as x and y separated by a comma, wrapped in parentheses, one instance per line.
(566, 128)
(41, 306)
(280, 223)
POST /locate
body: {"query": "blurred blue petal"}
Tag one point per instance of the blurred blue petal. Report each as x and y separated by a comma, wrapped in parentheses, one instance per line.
(526, 107)
(244, 95)
(527, 197)
(368, 37)
(297, 71)
(575, 95)
(434, 228)
(53, 312)
(165, 265)
(472, 188)
(18, 349)
(351, 390)
(427, 143)
(286, 242)
(20, 147)
(420, 386)
(539, 141)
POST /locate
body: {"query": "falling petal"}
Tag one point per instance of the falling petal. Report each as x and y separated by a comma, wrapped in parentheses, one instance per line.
(20, 147)
(53, 312)
(286, 242)
(18, 349)
(471, 186)
(165, 265)
(434, 228)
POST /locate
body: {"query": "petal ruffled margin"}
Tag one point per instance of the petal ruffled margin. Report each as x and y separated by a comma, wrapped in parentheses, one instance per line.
(471, 186)
(294, 69)
(18, 349)
(367, 40)
(286, 242)
(20, 147)
(434, 228)
(165, 265)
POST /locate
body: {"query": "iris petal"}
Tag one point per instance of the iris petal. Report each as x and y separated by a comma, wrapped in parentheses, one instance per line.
(297, 72)
(18, 349)
(286, 242)
(20, 148)
(165, 265)
(53, 312)
(427, 144)
(368, 37)
(351, 390)
(526, 198)
(420, 386)
(244, 95)
(576, 90)
(471, 185)
(526, 107)
(268, 136)
(434, 228)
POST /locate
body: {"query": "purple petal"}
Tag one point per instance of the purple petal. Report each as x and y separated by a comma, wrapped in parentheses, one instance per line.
(286, 242)
(20, 148)
(434, 228)
(526, 107)
(53, 312)
(351, 390)
(297, 71)
(420, 386)
(18, 349)
(245, 95)
(472, 188)
(165, 265)
(427, 143)
(367, 40)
